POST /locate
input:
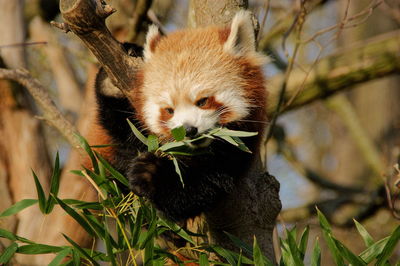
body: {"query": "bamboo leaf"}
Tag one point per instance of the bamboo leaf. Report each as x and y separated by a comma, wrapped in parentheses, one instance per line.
(203, 260)
(348, 255)
(225, 254)
(97, 227)
(150, 234)
(137, 227)
(8, 253)
(60, 257)
(368, 240)
(8, 235)
(178, 133)
(241, 145)
(152, 143)
(304, 241)
(294, 251)
(287, 258)
(326, 232)
(323, 222)
(76, 216)
(83, 204)
(239, 262)
(233, 133)
(40, 193)
(76, 257)
(257, 255)
(109, 248)
(389, 247)
(230, 140)
(177, 229)
(316, 255)
(17, 207)
(259, 258)
(137, 133)
(240, 244)
(149, 252)
(171, 145)
(178, 170)
(38, 249)
(81, 250)
(117, 175)
(54, 185)
(373, 251)
(85, 145)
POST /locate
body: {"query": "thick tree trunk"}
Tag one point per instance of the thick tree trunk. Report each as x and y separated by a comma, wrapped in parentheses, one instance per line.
(22, 142)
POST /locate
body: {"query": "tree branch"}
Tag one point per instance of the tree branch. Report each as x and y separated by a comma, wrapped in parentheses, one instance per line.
(87, 20)
(342, 106)
(367, 205)
(39, 93)
(242, 213)
(369, 60)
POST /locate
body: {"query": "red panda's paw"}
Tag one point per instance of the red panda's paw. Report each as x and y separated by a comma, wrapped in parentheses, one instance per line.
(141, 174)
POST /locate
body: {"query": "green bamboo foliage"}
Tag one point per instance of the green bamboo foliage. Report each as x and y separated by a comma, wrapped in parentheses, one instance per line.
(137, 225)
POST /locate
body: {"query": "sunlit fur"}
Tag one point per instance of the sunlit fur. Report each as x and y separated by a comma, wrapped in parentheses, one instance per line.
(200, 78)
(191, 64)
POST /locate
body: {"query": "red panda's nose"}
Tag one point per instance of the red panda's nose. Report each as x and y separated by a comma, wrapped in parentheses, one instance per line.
(191, 131)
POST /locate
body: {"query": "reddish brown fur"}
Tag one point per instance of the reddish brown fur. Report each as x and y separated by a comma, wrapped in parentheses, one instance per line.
(254, 87)
(98, 136)
(154, 42)
(223, 35)
(170, 52)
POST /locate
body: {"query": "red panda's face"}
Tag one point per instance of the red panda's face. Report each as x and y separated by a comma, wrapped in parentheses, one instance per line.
(198, 91)
(194, 78)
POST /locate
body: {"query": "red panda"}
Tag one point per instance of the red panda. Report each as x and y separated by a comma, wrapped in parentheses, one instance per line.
(199, 79)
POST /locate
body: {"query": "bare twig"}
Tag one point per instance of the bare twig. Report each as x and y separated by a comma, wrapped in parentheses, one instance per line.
(297, 24)
(39, 93)
(21, 44)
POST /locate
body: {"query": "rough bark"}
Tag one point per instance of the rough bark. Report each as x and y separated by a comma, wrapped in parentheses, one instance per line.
(91, 29)
(204, 13)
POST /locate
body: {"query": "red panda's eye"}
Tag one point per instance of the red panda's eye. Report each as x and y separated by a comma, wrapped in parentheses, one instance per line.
(169, 111)
(202, 102)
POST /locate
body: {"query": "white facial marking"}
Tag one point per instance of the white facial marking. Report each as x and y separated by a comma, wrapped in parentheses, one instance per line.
(193, 116)
(151, 112)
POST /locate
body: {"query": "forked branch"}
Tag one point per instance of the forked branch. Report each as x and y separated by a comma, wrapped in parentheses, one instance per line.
(87, 20)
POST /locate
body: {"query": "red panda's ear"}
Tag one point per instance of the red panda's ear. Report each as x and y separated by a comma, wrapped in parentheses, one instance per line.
(152, 38)
(241, 39)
